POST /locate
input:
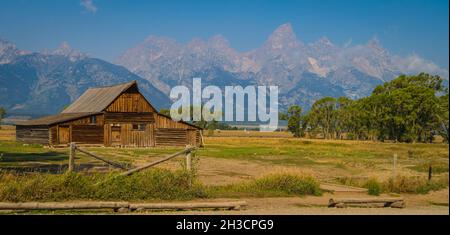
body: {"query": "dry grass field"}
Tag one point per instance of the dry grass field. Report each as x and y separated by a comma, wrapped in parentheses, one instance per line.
(233, 160)
(7, 132)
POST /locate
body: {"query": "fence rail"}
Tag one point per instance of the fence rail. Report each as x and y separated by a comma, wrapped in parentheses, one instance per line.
(74, 148)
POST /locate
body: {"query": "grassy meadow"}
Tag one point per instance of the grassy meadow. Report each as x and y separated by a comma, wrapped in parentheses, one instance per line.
(253, 166)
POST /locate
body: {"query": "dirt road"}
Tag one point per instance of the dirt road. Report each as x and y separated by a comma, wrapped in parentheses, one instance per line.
(434, 203)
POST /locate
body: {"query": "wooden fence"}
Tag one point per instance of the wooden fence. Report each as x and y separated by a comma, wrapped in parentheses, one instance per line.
(187, 152)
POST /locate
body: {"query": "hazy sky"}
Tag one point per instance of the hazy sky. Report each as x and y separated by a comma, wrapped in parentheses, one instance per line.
(105, 28)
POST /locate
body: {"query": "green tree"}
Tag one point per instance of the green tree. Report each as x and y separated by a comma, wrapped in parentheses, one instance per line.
(296, 122)
(442, 124)
(406, 108)
(323, 116)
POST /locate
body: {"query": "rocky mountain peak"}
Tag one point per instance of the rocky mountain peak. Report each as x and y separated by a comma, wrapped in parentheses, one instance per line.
(65, 50)
(324, 41)
(9, 51)
(219, 41)
(283, 36)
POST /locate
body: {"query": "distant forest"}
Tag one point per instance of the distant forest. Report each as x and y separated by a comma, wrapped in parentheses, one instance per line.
(406, 109)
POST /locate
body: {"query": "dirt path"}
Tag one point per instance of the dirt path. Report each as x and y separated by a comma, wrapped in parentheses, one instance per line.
(435, 203)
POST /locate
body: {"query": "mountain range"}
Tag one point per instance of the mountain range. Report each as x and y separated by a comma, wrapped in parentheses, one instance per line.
(36, 84)
(304, 72)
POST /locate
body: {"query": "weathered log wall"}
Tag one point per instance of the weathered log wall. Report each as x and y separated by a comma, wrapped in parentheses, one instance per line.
(53, 132)
(165, 122)
(131, 137)
(89, 134)
(171, 137)
(129, 117)
(32, 134)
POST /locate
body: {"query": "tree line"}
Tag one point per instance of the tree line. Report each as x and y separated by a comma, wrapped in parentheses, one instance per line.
(406, 109)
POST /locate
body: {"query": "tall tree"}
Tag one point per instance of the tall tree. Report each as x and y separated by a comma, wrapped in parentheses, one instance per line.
(296, 122)
(323, 116)
(442, 124)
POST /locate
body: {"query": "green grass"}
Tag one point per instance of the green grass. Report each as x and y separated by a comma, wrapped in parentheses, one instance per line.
(147, 185)
(270, 186)
(326, 158)
(399, 184)
(154, 184)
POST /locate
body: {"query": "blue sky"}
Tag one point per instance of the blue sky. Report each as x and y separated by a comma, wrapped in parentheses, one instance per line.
(105, 28)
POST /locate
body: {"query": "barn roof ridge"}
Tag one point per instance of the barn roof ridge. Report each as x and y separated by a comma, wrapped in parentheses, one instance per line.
(97, 99)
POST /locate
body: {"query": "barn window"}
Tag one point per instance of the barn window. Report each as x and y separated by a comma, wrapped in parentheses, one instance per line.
(139, 127)
(93, 119)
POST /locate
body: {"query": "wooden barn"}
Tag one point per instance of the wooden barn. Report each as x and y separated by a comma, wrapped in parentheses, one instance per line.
(116, 115)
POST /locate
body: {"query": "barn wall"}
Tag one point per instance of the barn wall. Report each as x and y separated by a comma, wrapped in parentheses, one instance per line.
(53, 138)
(130, 102)
(165, 122)
(129, 117)
(130, 137)
(32, 134)
(87, 134)
(171, 137)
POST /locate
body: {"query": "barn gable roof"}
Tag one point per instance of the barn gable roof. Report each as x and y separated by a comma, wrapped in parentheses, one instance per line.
(97, 99)
(54, 119)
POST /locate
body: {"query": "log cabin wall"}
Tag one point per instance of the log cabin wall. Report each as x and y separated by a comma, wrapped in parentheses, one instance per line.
(172, 133)
(124, 117)
(87, 134)
(53, 134)
(129, 121)
(32, 134)
(128, 136)
(171, 137)
(165, 122)
(84, 130)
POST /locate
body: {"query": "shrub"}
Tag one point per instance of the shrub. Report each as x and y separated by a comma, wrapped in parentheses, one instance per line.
(373, 187)
(404, 184)
(401, 184)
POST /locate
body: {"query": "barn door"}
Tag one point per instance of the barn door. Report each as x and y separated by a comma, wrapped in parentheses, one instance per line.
(64, 134)
(115, 135)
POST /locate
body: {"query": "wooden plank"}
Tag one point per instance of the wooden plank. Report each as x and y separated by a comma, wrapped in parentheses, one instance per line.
(61, 205)
(187, 150)
(114, 164)
(363, 201)
(72, 156)
(124, 117)
(235, 205)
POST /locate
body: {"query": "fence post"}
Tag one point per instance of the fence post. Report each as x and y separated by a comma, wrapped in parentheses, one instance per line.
(72, 156)
(394, 169)
(430, 172)
(189, 161)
